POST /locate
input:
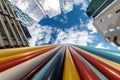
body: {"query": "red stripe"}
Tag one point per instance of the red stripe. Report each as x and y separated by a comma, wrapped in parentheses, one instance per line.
(23, 59)
(20, 56)
(108, 71)
(84, 71)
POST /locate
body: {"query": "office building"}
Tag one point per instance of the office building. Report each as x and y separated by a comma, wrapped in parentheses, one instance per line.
(60, 62)
(25, 20)
(11, 32)
(23, 17)
(48, 7)
(26, 31)
(38, 9)
(66, 5)
(30, 8)
(106, 14)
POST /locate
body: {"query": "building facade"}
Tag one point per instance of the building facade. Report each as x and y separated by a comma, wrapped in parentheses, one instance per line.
(31, 8)
(23, 17)
(38, 9)
(106, 14)
(49, 8)
(11, 32)
(66, 5)
(25, 20)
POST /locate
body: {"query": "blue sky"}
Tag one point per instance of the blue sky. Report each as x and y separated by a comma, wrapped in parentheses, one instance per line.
(74, 28)
(76, 19)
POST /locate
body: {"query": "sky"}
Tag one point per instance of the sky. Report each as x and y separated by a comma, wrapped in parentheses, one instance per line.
(74, 27)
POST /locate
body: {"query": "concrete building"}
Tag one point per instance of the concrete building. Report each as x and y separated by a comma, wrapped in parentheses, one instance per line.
(106, 14)
(11, 32)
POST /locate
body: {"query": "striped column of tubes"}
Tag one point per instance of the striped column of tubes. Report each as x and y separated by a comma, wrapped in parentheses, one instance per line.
(59, 62)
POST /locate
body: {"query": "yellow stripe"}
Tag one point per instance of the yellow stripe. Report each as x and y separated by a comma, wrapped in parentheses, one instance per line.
(106, 61)
(70, 71)
(15, 51)
(13, 56)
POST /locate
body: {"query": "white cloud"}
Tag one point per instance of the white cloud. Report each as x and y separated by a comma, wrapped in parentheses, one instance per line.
(81, 21)
(83, 2)
(88, 25)
(101, 45)
(77, 2)
(64, 19)
(55, 18)
(113, 44)
(84, 6)
(118, 48)
(39, 32)
(74, 36)
(91, 27)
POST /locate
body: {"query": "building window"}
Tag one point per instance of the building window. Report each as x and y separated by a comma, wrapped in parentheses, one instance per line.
(117, 11)
(111, 30)
(102, 20)
(105, 31)
(118, 27)
(97, 22)
(110, 15)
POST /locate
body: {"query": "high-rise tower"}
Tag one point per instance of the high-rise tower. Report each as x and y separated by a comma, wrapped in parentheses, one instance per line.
(106, 14)
(66, 5)
(11, 32)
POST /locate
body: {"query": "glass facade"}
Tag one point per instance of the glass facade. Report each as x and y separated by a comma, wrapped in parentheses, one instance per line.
(30, 8)
(49, 8)
(23, 17)
(96, 6)
(66, 5)
(38, 9)
(25, 20)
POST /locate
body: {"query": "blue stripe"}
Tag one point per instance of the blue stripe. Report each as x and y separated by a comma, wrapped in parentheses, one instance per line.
(113, 56)
(43, 71)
